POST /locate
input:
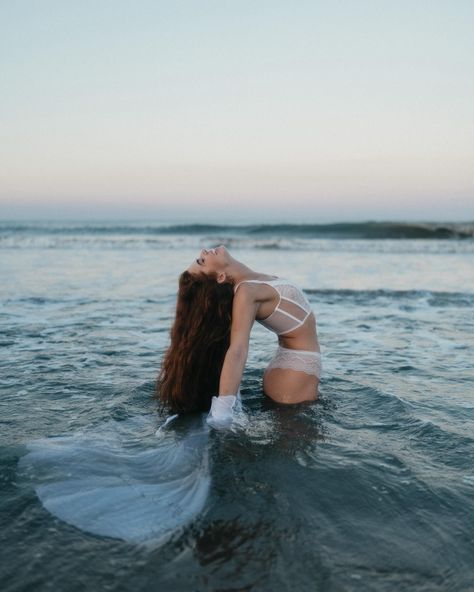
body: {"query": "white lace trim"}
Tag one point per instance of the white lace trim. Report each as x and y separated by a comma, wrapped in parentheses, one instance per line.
(303, 361)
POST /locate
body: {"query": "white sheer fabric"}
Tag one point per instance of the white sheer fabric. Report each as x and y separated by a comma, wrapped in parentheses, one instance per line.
(223, 410)
(292, 309)
(127, 479)
(303, 361)
(106, 482)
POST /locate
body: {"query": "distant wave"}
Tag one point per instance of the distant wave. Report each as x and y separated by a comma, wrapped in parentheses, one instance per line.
(404, 297)
(343, 230)
(431, 297)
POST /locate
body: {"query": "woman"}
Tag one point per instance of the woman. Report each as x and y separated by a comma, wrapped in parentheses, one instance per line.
(219, 299)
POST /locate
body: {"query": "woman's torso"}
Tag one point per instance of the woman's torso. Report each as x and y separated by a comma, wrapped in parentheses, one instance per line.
(285, 310)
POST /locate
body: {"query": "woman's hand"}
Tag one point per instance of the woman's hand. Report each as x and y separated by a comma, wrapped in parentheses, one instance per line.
(221, 413)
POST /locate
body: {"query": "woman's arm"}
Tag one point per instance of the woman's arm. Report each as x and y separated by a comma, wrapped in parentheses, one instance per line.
(244, 310)
(232, 370)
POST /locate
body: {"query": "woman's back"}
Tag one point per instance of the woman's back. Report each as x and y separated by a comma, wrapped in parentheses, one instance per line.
(291, 318)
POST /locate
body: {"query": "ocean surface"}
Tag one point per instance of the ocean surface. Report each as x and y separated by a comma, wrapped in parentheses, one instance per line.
(370, 488)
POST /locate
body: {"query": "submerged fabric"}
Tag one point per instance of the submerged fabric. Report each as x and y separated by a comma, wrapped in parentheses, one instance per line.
(103, 483)
(223, 409)
(292, 309)
(126, 479)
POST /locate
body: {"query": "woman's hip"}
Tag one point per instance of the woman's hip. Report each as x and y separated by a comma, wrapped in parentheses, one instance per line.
(292, 376)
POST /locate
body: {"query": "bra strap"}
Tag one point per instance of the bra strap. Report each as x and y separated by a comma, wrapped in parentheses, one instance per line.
(243, 282)
(255, 282)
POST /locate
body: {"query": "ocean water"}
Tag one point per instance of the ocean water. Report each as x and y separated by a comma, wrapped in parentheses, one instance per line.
(370, 488)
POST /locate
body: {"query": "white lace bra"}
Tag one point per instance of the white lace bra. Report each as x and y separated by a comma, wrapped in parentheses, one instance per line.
(292, 309)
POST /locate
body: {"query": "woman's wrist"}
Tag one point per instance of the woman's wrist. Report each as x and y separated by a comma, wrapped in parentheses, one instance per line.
(224, 400)
(221, 409)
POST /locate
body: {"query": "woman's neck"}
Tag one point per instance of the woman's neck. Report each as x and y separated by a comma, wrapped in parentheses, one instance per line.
(240, 272)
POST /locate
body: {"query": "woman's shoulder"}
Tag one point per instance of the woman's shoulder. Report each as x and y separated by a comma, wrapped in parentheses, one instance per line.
(255, 290)
(244, 288)
(257, 281)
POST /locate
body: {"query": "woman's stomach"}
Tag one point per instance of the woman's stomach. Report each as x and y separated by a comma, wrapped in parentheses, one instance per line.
(304, 337)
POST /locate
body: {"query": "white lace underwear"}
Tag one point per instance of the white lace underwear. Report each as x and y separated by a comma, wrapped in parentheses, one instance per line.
(297, 359)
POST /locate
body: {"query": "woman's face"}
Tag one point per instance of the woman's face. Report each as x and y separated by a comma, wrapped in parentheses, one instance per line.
(211, 260)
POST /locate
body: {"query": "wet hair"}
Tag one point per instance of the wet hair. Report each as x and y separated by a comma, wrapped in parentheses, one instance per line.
(200, 338)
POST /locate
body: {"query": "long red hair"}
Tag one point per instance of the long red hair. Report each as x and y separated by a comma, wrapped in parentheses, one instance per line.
(200, 337)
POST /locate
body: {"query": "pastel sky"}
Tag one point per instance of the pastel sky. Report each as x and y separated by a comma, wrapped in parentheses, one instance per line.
(321, 110)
